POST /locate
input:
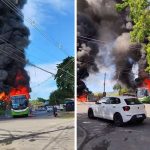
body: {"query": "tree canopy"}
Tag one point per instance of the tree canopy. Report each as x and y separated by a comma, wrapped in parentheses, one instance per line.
(140, 15)
(58, 96)
(65, 82)
(65, 75)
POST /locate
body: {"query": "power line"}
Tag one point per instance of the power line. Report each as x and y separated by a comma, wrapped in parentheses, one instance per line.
(42, 82)
(27, 63)
(87, 38)
(21, 50)
(16, 10)
(32, 63)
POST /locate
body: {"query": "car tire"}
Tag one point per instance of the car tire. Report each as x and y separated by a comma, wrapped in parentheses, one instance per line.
(90, 114)
(118, 120)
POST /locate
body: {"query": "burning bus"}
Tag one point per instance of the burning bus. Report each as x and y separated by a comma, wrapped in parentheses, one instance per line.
(14, 79)
(19, 101)
(142, 92)
(19, 105)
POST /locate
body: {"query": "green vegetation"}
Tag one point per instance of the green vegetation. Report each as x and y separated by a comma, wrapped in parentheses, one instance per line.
(140, 15)
(65, 82)
(39, 102)
(121, 90)
(145, 100)
(65, 75)
(1, 111)
(36, 103)
(58, 96)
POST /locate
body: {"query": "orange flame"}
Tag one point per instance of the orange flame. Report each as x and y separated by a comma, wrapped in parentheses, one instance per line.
(3, 97)
(19, 90)
(82, 98)
(146, 83)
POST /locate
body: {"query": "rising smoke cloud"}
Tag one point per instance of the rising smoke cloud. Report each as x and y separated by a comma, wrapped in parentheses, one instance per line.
(98, 19)
(12, 58)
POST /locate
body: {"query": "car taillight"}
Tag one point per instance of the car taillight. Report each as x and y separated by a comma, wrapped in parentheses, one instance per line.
(126, 108)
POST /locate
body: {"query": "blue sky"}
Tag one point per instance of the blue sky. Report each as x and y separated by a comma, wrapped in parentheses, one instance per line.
(54, 18)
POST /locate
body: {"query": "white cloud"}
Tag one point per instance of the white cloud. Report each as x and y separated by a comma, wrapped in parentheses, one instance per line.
(38, 75)
(37, 12)
(41, 82)
(95, 82)
(61, 6)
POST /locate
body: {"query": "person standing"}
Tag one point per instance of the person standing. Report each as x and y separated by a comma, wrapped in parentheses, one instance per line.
(55, 111)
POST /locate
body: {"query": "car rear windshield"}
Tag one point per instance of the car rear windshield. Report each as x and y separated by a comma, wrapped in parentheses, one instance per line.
(132, 101)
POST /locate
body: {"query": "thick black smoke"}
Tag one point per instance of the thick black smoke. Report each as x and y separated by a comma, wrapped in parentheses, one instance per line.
(98, 19)
(13, 40)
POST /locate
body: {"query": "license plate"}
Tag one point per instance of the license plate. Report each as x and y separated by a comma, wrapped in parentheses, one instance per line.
(139, 116)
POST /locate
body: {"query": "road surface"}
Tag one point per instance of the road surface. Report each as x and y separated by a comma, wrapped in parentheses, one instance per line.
(39, 132)
(99, 134)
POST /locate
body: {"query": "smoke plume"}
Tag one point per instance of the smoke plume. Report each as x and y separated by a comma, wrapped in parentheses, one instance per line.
(13, 40)
(104, 41)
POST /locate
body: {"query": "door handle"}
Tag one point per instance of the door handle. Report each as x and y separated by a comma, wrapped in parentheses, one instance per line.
(103, 106)
(114, 106)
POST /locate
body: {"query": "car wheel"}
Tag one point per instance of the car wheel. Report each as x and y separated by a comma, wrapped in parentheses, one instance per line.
(118, 120)
(90, 114)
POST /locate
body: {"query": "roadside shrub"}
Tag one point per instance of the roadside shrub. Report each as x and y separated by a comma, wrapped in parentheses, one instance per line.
(145, 100)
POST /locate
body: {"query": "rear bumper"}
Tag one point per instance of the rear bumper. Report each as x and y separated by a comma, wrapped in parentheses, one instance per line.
(132, 118)
(135, 118)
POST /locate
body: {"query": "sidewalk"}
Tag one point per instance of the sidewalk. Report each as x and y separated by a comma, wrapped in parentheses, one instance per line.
(147, 107)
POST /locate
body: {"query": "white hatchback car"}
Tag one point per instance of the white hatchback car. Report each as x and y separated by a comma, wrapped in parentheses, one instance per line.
(119, 109)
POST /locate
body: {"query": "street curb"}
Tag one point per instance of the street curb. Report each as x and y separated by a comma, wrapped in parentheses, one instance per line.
(83, 139)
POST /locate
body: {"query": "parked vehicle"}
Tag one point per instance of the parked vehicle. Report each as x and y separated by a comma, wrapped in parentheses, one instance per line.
(41, 108)
(121, 110)
(69, 106)
(49, 108)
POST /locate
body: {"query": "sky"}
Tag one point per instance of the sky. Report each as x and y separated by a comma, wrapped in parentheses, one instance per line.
(95, 81)
(51, 25)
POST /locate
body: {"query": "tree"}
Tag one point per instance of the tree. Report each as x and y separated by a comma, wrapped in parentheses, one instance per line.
(140, 15)
(65, 75)
(41, 99)
(117, 87)
(58, 96)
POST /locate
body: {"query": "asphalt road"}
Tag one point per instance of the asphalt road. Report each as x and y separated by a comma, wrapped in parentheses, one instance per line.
(41, 131)
(99, 134)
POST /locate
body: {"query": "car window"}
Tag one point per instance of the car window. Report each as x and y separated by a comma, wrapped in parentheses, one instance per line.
(132, 101)
(108, 101)
(103, 100)
(114, 100)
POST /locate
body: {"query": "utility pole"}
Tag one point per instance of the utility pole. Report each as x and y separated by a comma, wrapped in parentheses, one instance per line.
(104, 92)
